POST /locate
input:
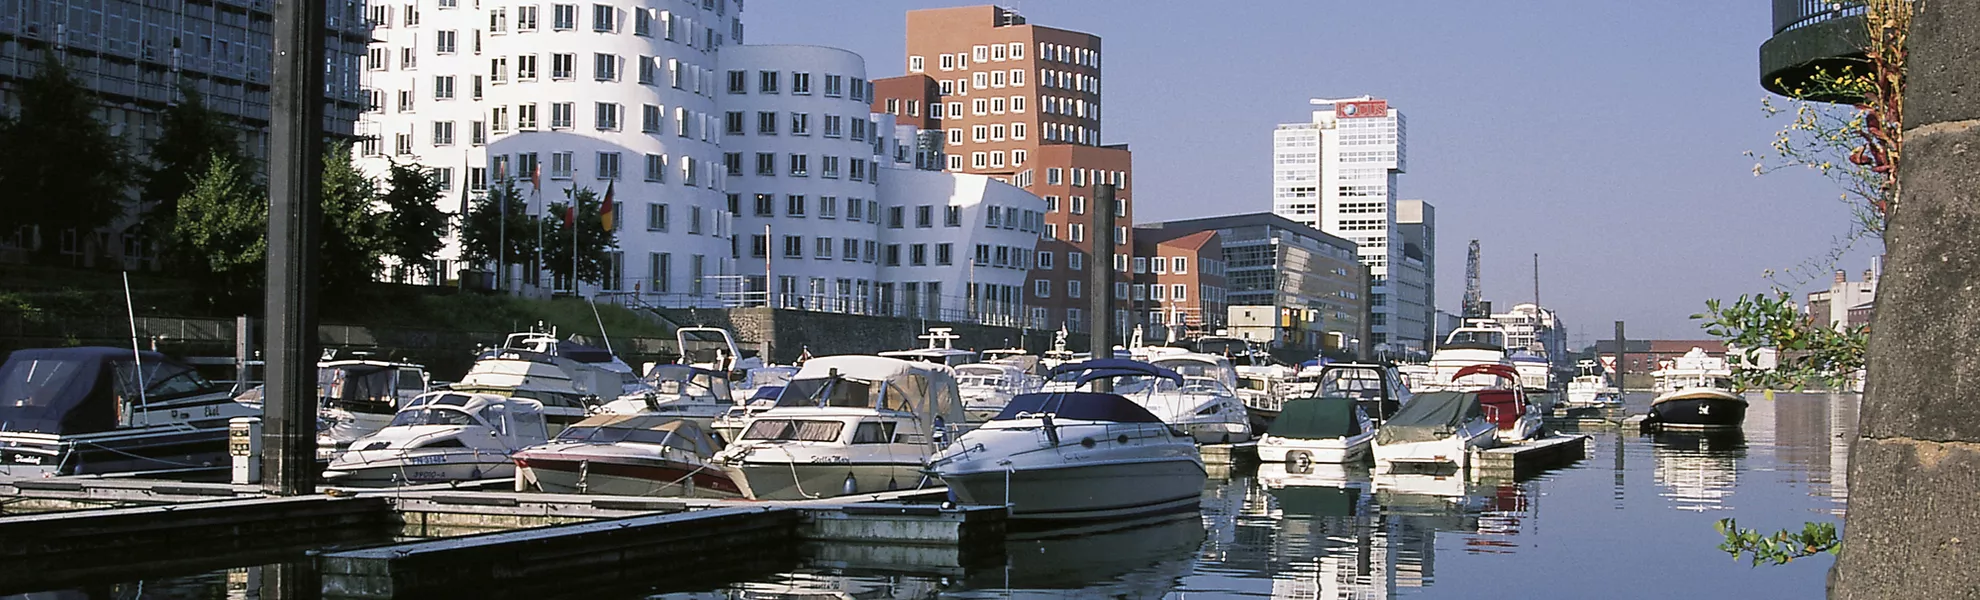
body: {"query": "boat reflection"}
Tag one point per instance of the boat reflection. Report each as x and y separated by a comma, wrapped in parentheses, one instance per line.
(1697, 470)
(1130, 559)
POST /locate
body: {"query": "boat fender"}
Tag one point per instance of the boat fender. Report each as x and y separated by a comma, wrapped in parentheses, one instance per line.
(1122, 440)
(1051, 431)
(851, 486)
(1087, 442)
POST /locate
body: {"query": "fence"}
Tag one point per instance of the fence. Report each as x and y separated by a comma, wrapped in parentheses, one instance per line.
(1790, 15)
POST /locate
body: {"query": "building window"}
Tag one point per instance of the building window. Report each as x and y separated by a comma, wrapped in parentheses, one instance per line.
(915, 64)
(800, 122)
(800, 83)
(562, 114)
(608, 116)
(656, 168)
(918, 255)
(1072, 288)
(765, 205)
(766, 123)
(759, 246)
(604, 19)
(1182, 265)
(562, 65)
(794, 206)
(656, 213)
(1141, 264)
(1178, 292)
(952, 216)
(896, 216)
(793, 246)
(608, 165)
(1044, 260)
(893, 255)
(800, 165)
(738, 82)
(766, 82)
(525, 18)
(945, 254)
(605, 67)
(561, 164)
(766, 164)
(563, 17)
(443, 133)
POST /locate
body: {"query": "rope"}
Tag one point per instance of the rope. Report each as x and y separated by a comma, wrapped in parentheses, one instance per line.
(139, 457)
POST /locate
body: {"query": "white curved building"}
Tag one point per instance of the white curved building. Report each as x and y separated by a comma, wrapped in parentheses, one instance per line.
(600, 94)
(802, 173)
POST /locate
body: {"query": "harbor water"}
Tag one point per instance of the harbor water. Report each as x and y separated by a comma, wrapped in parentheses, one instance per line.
(1632, 520)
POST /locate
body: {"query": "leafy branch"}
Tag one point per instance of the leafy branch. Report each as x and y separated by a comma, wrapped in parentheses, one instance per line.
(1806, 351)
(1780, 547)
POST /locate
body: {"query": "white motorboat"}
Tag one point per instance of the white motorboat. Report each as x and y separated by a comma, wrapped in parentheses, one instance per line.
(846, 425)
(1077, 455)
(1435, 430)
(1204, 403)
(1698, 392)
(1590, 388)
(986, 387)
(766, 383)
(1507, 405)
(1264, 389)
(1379, 389)
(91, 410)
(627, 455)
(1323, 429)
(713, 348)
(678, 392)
(1478, 342)
(443, 436)
(941, 349)
(355, 398)
(760, 381)
(570, 380)
(592, 370)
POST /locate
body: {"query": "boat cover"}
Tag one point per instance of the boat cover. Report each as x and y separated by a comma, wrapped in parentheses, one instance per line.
(1430, 416)
(1085, 406)
(1102, 368)
(74, 390)
(1317, 418)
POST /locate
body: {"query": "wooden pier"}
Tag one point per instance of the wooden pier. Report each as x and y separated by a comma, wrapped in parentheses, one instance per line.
(1517, 460)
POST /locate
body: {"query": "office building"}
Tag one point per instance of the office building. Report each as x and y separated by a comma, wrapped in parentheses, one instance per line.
(1177, 289)
(136, 57)
(1338, 172)
(1021, 103)
(1846, 303)
(1416, 222)
(1286, 283)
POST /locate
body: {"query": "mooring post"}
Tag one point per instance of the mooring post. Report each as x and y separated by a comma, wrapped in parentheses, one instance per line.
(1100, 328)
(295, 174)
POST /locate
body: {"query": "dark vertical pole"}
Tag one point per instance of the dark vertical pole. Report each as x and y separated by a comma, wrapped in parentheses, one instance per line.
(1100, 328)
(1622, 352)
(295, 168)
(1365, 351)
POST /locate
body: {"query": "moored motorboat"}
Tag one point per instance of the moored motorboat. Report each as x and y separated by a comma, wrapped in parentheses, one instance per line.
(1478, 342)
(1698, 392)
(443, 436)
(1378, 388)
(941, 349)
(1590, 389)
(627, 455)
(987, 387)
(1203, 403)
(1324, 429)
(678, 392)
(91, 410)
(1077, 454)
(846, 425)
(1436, 429)
(1507, 406)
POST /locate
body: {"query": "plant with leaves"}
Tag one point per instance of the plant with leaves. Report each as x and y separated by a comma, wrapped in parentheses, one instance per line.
(1807, 352)
(1780, 547)
(497, 224)
(60, 166)
(351, 235)
(190, 135)
(594, 243)
(222, 231)
(414, 223)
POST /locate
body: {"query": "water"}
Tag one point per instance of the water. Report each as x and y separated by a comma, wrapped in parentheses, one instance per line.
(1633, 520)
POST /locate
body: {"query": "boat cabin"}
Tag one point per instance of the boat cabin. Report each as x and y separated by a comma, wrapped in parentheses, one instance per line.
(1379, 389)
(92, 389)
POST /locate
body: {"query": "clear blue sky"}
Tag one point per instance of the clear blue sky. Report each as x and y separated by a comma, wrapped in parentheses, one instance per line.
(1605, 136)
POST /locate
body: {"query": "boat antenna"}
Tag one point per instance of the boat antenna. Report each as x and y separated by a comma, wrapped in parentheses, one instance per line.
(601, 324)
(130, 311)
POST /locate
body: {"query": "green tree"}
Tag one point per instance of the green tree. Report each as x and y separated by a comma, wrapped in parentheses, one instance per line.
(498, 220)
(59, 165)
(222, 231)
(191, 134)
(414, 222)
(351, 235)
(594, 242)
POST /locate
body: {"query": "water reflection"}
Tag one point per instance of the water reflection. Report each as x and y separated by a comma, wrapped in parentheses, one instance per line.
(1336, 532)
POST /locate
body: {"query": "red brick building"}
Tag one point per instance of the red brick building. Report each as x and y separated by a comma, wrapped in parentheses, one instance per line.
(1178, 284)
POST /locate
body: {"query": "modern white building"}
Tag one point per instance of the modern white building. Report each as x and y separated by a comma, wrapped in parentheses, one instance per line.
(1337, 173)
(611, 94)
(1536, 329)
(957, 246)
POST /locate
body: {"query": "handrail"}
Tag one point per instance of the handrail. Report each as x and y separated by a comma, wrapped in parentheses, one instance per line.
(1790, 15)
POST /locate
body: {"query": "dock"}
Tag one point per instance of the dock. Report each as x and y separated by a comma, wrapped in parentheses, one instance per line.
(1229, 454)
(1517, 460)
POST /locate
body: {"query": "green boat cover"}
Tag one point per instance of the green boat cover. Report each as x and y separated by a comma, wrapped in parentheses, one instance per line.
(1430, 416)
(1317, 419)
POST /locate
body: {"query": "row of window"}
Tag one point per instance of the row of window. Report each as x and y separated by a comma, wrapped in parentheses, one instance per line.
(799, 165)
(982, 53)
(1161, 265)
(1175, 292)
(799, 123)
(773, 82)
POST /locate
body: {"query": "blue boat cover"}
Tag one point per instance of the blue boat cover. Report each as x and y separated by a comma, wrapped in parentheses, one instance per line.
(64, 390)
(1086, 406)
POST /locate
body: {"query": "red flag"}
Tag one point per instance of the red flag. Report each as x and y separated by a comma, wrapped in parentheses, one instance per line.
(536, 177)
(570, 214)
(605, 211)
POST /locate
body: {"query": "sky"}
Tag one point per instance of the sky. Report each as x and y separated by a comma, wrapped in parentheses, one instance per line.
(1607, 137)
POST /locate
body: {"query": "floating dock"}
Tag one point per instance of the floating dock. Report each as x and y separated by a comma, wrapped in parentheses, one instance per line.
(1526, 457)
(1229, 454)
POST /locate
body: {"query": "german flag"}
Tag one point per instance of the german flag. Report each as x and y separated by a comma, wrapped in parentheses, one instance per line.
(605, 212)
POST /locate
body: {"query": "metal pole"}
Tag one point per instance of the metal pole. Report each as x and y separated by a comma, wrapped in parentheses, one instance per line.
(1622, 351)
(1100, 331)
(295, 170)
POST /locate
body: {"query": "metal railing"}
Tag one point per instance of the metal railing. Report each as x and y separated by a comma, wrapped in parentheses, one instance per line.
(947, 309)
(1790, 15)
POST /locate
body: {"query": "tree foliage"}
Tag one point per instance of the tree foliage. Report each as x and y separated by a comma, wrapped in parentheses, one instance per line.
(351, 235)
(414, 223)
(498, 224)
(594, 243)
(59, 165)
(191, 134)
(1780, 547)
(222, 231)
(1808, 351)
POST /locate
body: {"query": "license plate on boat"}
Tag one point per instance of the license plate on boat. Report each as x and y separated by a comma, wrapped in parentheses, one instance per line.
(426, 460)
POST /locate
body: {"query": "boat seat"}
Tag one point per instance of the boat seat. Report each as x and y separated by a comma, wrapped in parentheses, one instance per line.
(1501, 407)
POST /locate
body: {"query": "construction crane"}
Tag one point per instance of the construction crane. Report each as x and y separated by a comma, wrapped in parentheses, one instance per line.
(1474, 298)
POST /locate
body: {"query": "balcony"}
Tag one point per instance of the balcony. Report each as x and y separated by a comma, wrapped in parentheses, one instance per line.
(1812, 35)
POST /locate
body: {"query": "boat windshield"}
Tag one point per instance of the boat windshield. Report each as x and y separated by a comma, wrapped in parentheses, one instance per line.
(1477, 336)
(432, 415)
(685, 381)
(1192, 368)
(798, 430)
(1355, 383)
(634, 435)
(827, 391)
(756, 378)
(357, 386)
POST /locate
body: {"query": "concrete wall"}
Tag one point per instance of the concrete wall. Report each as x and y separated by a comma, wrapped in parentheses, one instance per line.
(1914, 472)
(789, 332)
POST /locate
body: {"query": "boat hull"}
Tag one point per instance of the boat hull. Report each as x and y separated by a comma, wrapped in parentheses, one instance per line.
(1449, 451)
(1218, 432)
(1087, 492)
(768, 480)
(1698, 411)
(417, 469)
(181, 449)
(625, 477)
(1274, 449)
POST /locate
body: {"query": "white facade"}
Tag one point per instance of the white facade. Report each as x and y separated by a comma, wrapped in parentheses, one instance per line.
(1537, 329)
(614, 94)
(957, 246)
(1337, 173)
